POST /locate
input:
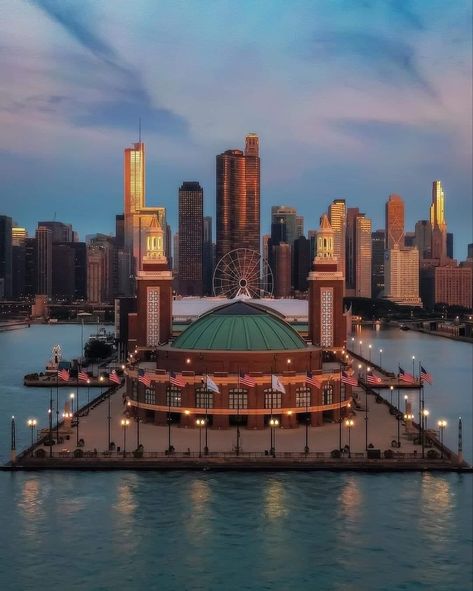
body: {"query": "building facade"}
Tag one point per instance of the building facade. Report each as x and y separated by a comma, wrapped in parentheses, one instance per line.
(401, 276)
(438, 222)
(337, 215)
(44, 261)
(378, 239)
(191, 235)
(394, 222)
(5, 257)
(453, 286)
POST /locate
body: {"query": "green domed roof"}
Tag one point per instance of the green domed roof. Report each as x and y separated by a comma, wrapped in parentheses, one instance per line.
(240, 326)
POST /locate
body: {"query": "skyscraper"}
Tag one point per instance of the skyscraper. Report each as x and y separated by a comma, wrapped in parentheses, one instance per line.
(191, 234)
(394, 222)
(44, 261)
(423, 231)
(363, 256)
(450, 245)
(283, 224)
(378, 239)
(437, 221)
(301, 263)
(337, 214)
(5, 256)
(238, 199)
(60, 232)
(134, 179)
(208, 256)
(401, 276)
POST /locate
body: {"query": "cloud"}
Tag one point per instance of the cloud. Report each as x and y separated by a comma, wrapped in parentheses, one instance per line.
(126, 98)
(389, 58)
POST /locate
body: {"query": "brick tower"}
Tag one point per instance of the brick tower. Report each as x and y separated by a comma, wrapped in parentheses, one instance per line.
(151, 325)
(326, 322)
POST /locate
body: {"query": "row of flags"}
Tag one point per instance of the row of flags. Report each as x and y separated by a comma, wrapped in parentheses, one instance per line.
(64, 375)
(409, 378)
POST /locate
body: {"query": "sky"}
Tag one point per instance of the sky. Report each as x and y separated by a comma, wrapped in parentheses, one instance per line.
(351, 99)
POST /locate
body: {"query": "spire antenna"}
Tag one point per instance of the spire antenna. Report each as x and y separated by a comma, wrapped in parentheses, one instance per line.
(139, 130)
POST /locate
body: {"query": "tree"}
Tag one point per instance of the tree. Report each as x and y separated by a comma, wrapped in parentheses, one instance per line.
(95, 349)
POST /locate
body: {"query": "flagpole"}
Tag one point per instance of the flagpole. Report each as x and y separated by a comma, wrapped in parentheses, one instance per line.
(306, 448)
(57, 405)
(421, 394)
(137, 418)
(169, 413)
(206, 448)
(77, 410)
(50, 417)
(340, 412)
(238, 416)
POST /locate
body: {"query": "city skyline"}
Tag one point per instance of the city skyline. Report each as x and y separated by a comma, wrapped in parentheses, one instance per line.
(374, 103)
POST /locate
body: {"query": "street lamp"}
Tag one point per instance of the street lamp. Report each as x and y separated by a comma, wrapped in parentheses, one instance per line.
(361, 343)
(413, 366)
(32, 425)
(369, 352)
(426, 413)
(349, 424)
(71, 396)
(380, 358)
(406, 398)
(273, 423)
(442, 423)
(124, 423)
(368, 369)
(391, 388)
(200, 423)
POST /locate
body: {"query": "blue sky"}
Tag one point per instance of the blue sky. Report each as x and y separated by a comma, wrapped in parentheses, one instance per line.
(350, 98)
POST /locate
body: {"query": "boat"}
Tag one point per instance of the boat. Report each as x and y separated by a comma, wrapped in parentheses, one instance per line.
(404, 327)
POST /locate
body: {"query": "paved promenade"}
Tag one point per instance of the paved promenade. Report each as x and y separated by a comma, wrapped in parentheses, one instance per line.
(382, 430)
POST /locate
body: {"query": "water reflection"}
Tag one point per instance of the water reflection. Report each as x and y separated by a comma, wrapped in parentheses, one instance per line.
(29, 503)
(200, 495)
(349, 499)
(275, 501)
(125, 508)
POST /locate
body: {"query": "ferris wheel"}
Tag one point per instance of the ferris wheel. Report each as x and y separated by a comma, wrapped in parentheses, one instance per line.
(243, 272)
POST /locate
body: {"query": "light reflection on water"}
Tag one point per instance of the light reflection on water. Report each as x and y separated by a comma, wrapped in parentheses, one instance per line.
(236, 531)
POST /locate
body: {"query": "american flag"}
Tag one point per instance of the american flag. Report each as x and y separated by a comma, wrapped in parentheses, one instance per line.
(372, 379)
(408, 378)
(350, 380)
(177, 380)
(63, 375)
(247, 380)
(114, 377)
(425, 375)
(312, 380)
(83, 376)
(144, 378)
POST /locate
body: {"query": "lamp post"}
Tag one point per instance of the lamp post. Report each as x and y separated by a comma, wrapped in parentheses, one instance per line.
(406, 398)
(413, 366)
(398, 416)
(307, 419)
(369, 352)
(88, 395)
(200, 423)
(360, 343)
(273, 423)
(32, 425)
(442, 424)
(391, 388)
(368, 369)
(71, 396)
(380, 358)
(124, 423)
(426, 413)
(349, 424)
(50, 420)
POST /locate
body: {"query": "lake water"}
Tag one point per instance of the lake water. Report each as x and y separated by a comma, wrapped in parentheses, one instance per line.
(191, 531)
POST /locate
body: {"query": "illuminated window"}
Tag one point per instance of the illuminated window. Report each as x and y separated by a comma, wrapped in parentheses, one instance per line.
(203, 398)
(272, 399)
(150, 396)
(302, 397)
(237, 399)
(328, 394)
(326, 317)
(173, 396)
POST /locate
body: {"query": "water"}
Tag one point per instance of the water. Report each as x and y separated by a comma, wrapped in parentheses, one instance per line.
(193, 531)
(344, 532)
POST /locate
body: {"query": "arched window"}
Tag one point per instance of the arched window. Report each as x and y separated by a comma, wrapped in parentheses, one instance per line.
(237, 398)
(173, 396)
(328, 394)
(150, 396)
(203, 398)
(272, 399)
(303, 397)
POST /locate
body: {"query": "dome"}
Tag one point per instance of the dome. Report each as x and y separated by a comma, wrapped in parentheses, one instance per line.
(240, 326)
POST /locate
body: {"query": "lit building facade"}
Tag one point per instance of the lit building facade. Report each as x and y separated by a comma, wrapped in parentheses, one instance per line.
(394, 222)
(401, 276)
(362, 256)
(337, 214)
(5, 256)
(44, 261)
(423, 240)
(453, 286)
(378, 239)
(438, 222)
(238, 199)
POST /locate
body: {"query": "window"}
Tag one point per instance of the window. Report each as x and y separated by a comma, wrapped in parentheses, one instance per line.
(134, 389)
(150, 396)
(326, 317)
(302, 397)
(238, 399)
(272, 399)
(328, 394)
(173, 396)
(203, 398)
